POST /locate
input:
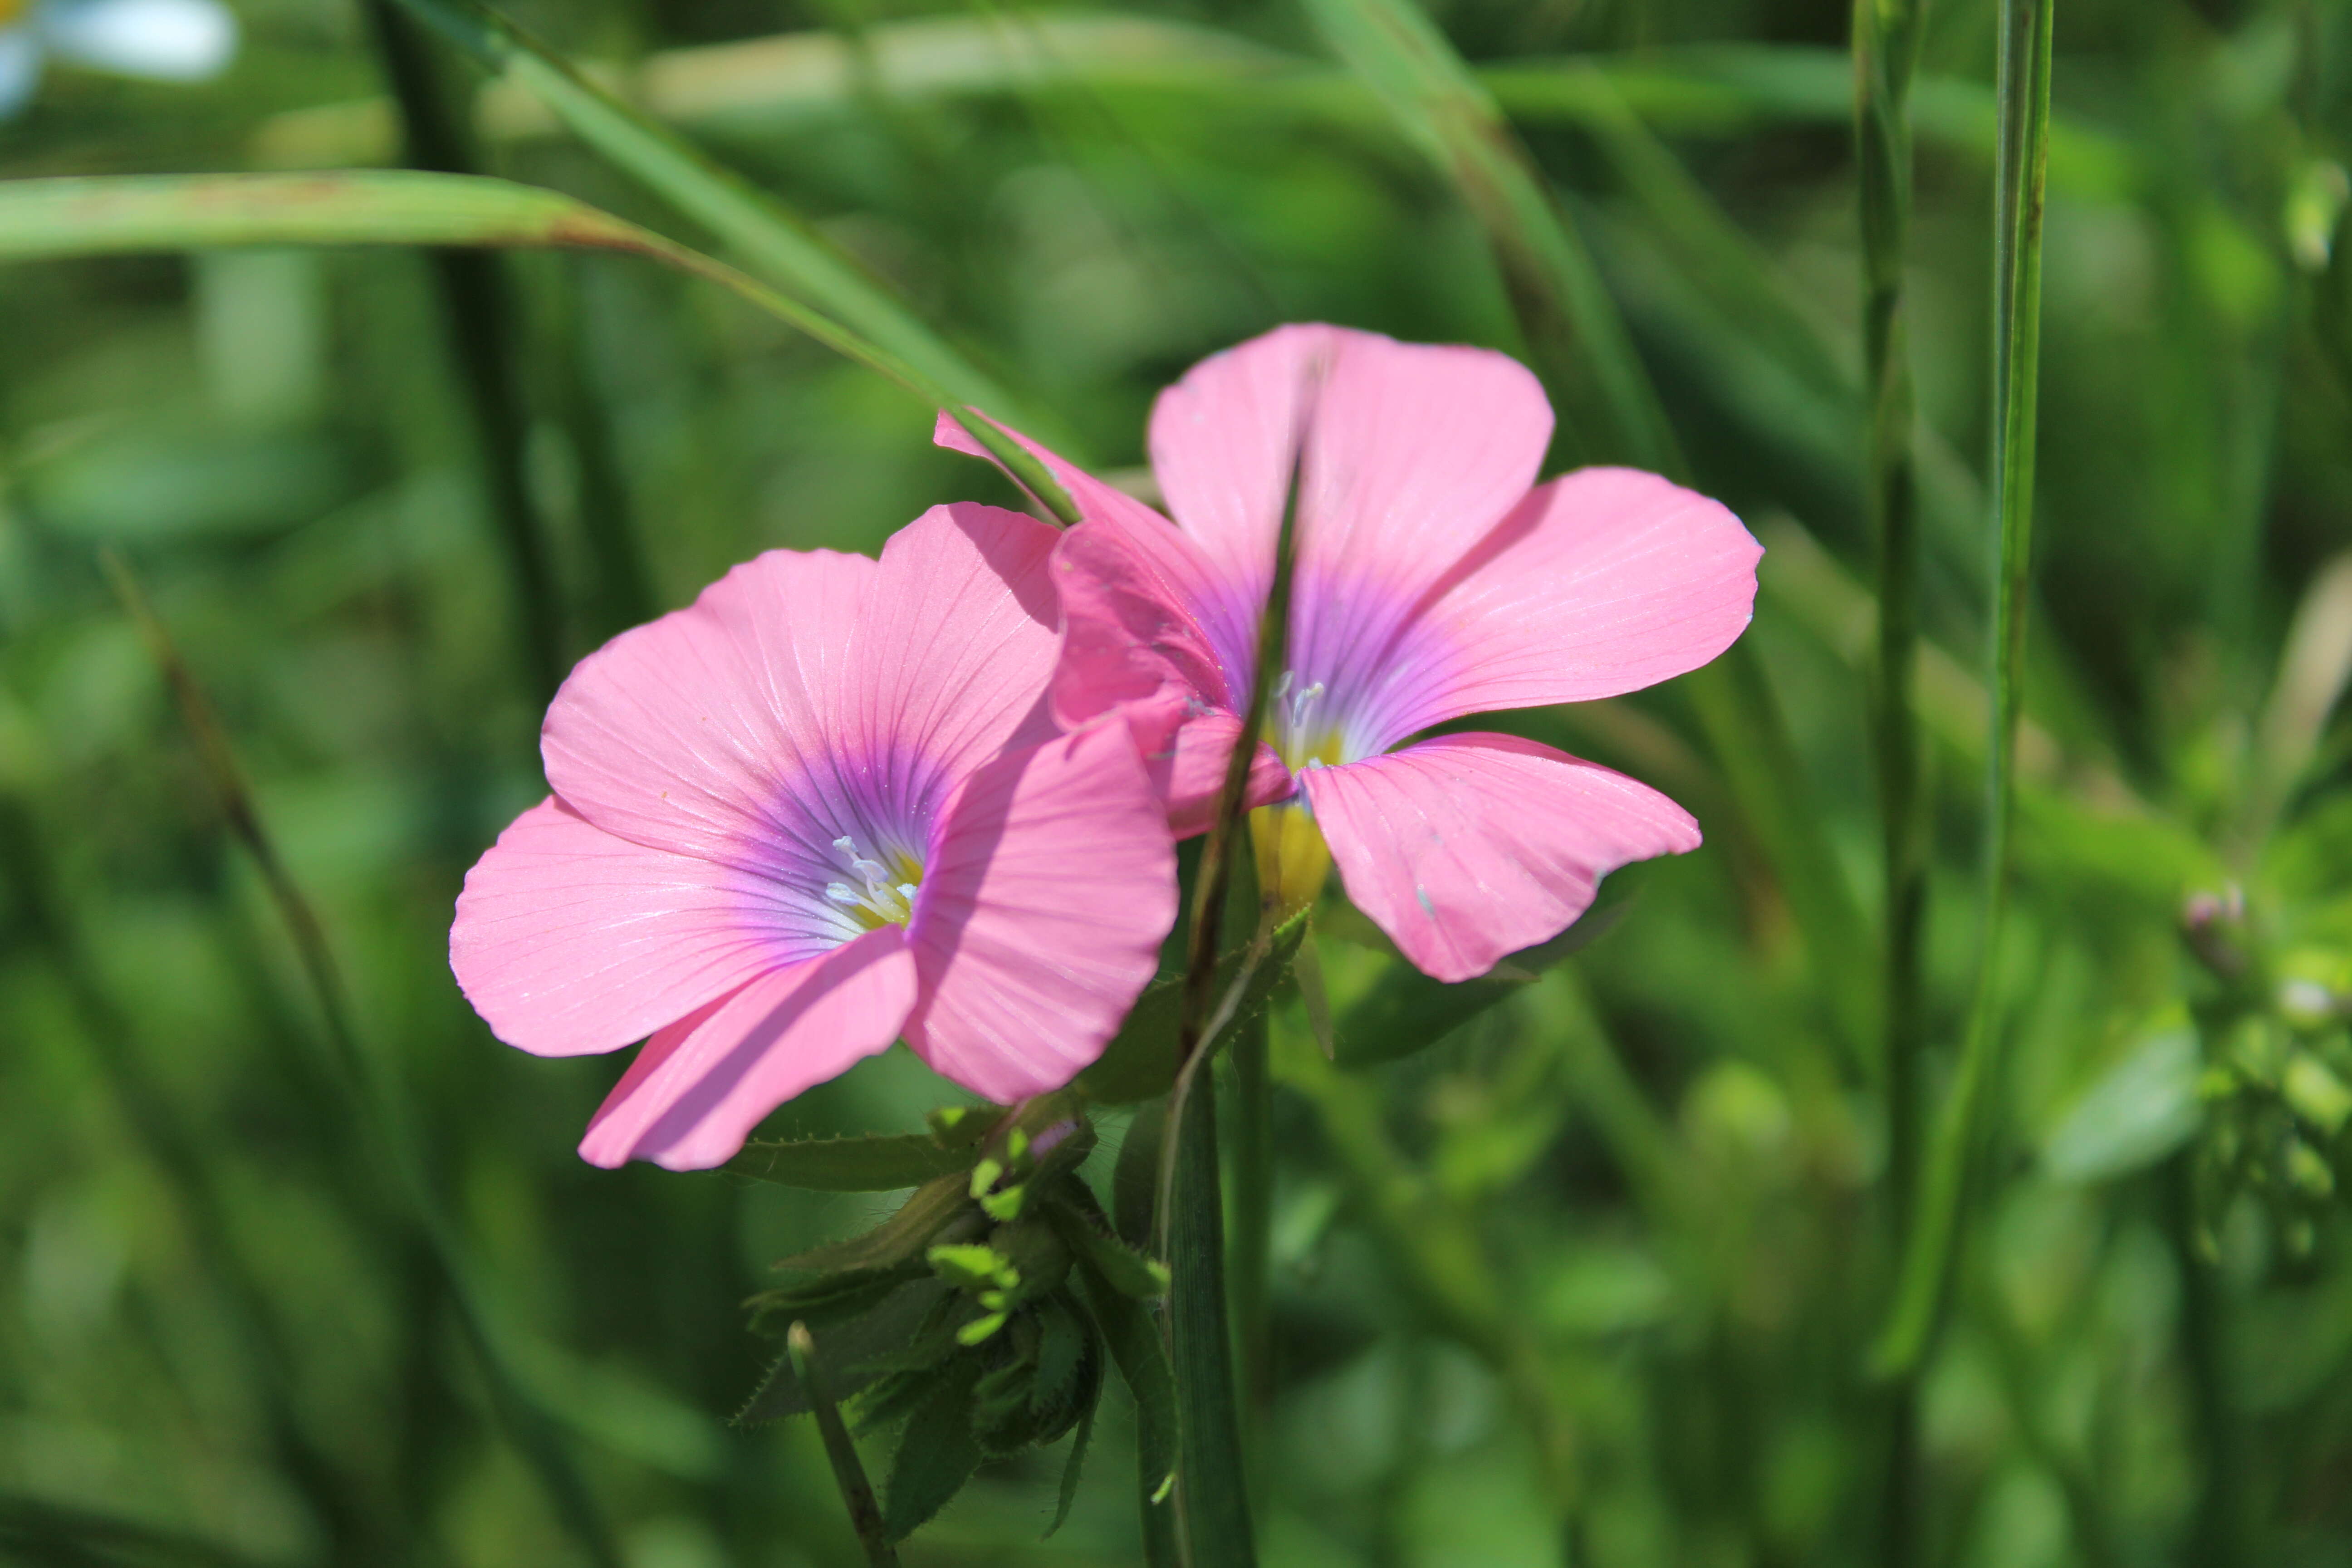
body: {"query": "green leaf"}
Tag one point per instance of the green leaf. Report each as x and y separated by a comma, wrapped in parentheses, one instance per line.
(937, 1454)
(878, 1164)
(1406, 1011)
(770, 240)
(2141, 1109)
(847, 1351)
(1067, 1493)
(1136, 1350)
(41, 219)
(928, 1210)
(63, 217)
(1608, 408)
(1135, 1177)
(1126, 1270)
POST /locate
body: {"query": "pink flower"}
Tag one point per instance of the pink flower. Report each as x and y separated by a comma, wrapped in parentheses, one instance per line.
(821, 807)
(1432, 583)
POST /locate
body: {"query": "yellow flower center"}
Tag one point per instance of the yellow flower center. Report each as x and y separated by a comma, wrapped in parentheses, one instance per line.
(876, 894)
(1292, 858)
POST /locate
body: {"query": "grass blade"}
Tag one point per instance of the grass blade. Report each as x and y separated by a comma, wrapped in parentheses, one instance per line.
(378, 1109)
(1608, 409)
(1933, 1233)
(772, 241)
(130, 215)
(1885, 49)
(476, 307)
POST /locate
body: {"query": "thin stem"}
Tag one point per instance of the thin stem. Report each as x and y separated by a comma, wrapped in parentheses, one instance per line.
(848, 1470)
(1934, 1233)
(2219, 1537)
(476, 310)
(1253, 1212)
(1886, 46)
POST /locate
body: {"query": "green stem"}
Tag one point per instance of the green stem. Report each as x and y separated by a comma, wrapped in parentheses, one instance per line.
(1886, 46)
(2219, 1534)
(1253, 1212)
(476, 310)
(1211, 1479)
(1933, 1233)
(848, 1470)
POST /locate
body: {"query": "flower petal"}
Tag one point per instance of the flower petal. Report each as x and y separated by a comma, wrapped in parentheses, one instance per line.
(1186, 757)
(1051, 882)
(1414, 451)
(570, 941)
(713, 730)
(1148, 561)
(955, 647)
(1605, 581)
(699, 1086)
(1467, 847)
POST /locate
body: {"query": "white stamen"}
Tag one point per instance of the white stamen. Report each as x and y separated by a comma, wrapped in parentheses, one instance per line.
(842, 893)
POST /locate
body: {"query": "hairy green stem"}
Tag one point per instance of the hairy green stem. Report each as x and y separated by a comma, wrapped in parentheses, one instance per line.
(848, 1470)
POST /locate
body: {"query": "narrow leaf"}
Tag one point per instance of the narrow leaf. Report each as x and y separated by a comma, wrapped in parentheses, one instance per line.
(905, 1235)
(878, 1164)
(1142, 1361)
(1126, 1270)
(937, 1455)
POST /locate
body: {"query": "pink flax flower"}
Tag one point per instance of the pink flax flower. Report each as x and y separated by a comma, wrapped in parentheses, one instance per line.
(820, 808)
(1435, 580)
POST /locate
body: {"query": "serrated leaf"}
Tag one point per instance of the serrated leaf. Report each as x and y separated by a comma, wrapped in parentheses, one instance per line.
(830, 1299)
(1140, 1062)
(2138, 1112)
(1136, 1350)
(842, 1352)
(875, 1165)
(937, 1455)
(1126, 1270)
(1406, 1011)
(962, 1126)
(927, 1211)
(1067, 1494)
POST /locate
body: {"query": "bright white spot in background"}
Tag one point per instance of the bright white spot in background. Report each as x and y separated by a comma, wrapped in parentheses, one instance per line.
(20, 68)
(168, 40)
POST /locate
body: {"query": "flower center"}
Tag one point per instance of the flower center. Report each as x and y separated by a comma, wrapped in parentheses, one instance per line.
(1301, 726)
(876, 895)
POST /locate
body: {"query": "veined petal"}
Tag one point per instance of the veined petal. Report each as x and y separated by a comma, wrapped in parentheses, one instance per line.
(1467, 847)
(1186, 755)
(1157, 578)
(714, 731)
(699, 1086)
(1129, 634)
(162, 40)
(1602, 581)
(570, 941)
(955, 649)
(1414, 453)
(1051, 882)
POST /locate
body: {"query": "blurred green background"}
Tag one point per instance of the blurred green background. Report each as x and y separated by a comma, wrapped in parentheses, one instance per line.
(1664, 1161)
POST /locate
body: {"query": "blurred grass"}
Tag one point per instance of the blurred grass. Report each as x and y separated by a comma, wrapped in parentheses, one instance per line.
(1626, 1227)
